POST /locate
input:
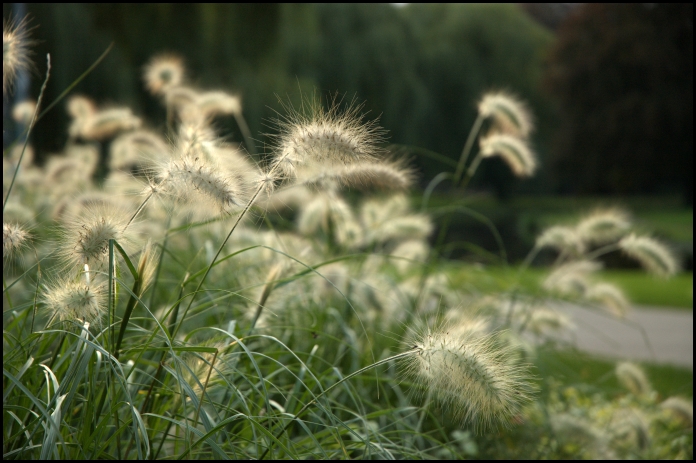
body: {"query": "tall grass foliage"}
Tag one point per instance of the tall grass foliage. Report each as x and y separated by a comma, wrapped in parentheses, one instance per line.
(208, 299)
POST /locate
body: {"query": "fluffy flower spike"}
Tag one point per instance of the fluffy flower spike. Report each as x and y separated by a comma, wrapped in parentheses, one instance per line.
(471, 375)
(314, 137)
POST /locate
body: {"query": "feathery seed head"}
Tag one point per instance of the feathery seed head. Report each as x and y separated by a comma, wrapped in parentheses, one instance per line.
(632, 377)
(80, 107)
(604, 226)
(14, 238)
(651, 254)
(470, 374)
(15, 51)
(218, 103)
(135, 148)
(163, 72)
(86, 235)
(363, 176)
(611, 297)
(107, 123)
(571, 278)
(292, 198)
(630, 427)
(69, 300)
(24, 112)
(332, 137)
(180, 97)
(468, 326)
(513, 150)
(564, 239)
(330, 214)
(543, 320)
(192, 177)
(390, 219)
(64, 175)
(411, 250)
(509, 114)
(681, 408)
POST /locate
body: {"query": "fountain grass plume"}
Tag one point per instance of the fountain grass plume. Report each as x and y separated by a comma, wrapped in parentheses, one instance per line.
(387, 175)
(610, 296)
(470, 375)
(15, 50)
(86, 234)
(14, 239)
(509, 114)
(23, 112)
(313, 136)
(190, 178)
(163, 72)
(140, 147)
(633, 378)
(571, 278)
(563, 239)
(651, 254)
(68, 299)
(215, 103)
(604, 226)
(681, 408)
(513, 150)
(107, 123)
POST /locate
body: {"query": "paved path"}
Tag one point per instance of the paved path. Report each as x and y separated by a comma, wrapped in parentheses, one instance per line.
(649, 334)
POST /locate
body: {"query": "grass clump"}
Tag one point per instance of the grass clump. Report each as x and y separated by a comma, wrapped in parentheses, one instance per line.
(182, 312)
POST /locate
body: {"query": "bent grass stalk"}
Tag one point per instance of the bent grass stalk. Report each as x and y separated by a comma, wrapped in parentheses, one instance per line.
(330, 388)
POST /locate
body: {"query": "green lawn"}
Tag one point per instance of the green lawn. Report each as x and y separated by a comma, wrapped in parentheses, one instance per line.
(641, 288)
(573, 368)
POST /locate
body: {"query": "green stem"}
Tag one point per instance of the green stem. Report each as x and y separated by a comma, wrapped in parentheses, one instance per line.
(471, 171)
(330, 388)
(140, 208)
(29, 129)
(222, 245)
(467, 148)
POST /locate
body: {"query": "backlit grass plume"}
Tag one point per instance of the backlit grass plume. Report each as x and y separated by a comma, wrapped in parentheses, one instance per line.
(15, 51)
(192, 176)
(218, 103)
(651, 254)
(514, 151)
(571, 278)
(509, 114)
(314, 136)
(163, 72)
(633, 378)
(107, 123)
(14, 239)
(470, 375)
(86, 235)
(681, 409)
(563, 239)
(391, 175)
(70, 300)
(610, 296)
(140, 147)
(24, 111)
(604, 226)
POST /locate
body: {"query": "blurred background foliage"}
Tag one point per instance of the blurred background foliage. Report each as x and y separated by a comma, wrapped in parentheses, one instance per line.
(611, 85)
